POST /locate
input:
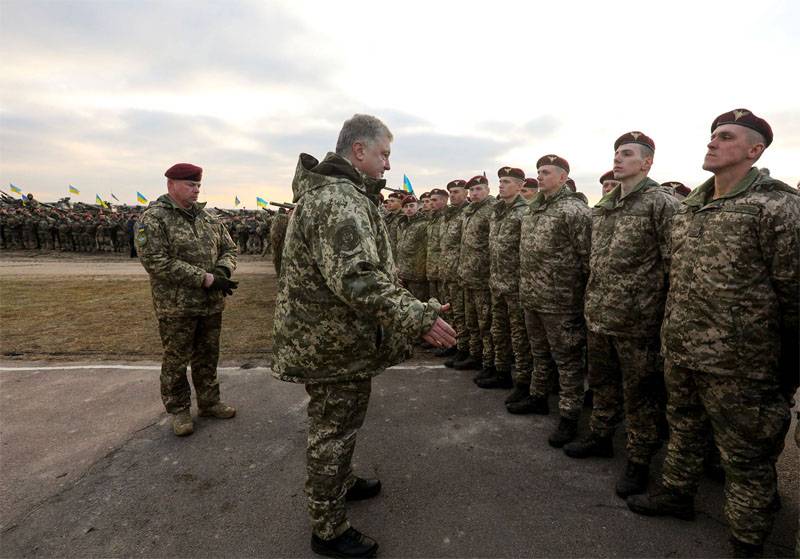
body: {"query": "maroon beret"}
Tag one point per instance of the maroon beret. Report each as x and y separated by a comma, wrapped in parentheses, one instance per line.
(607, 176)
(678, 187)
(185, 172)
(512, 172)
(745, 118)
(553, 160)
(571, 184)
(439, 192)
(424, 195)
(530, 183)
(476, 180)
(410, 199)
(635, 137)
(458, 183)
(398, 195)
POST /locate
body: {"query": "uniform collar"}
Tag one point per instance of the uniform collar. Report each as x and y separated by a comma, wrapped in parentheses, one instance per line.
(701, 196)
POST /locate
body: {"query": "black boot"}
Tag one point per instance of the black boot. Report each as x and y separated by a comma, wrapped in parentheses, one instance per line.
(591, 445)
(484, 374)
(501, 379)
(363, 489)
(467, 363)
(445, 352)
(459, 356)
(743, 549)
(663, 502)
(530, 404)
(351, 543)
(566, 431)
(633, 480)
(519, 393)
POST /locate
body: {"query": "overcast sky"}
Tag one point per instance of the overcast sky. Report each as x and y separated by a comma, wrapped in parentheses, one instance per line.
(106, 95)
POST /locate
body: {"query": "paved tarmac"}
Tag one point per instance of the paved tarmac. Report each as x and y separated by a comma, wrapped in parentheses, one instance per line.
(90, 468)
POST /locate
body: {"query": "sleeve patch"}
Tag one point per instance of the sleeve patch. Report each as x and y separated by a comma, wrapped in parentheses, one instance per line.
(346, 238)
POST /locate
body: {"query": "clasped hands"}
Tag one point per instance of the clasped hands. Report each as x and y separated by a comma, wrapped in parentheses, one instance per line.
(220, 280)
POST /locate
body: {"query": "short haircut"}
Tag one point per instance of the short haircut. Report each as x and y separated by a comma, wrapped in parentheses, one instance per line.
(646, 151)
(755, 137)
(360, 128)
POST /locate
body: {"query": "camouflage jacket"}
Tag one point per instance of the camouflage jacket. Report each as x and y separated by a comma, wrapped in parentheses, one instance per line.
(340, 314)
(434, 247)
(504, 233)
(629, 264)
(450, 239)
(177, 247)
(734, 279)
(391, 221)
(554, 246)
(277, 234)
(473, 264)
(412, 235)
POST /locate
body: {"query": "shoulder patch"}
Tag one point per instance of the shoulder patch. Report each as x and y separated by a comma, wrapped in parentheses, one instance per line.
(346, 238)
(141, 234)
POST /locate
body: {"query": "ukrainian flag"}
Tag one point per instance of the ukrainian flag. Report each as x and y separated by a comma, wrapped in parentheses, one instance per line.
(236, 201)
(73, 190)
(100, 201)
(140, 198)
(14, 188)
(407, 185)
(260, 202)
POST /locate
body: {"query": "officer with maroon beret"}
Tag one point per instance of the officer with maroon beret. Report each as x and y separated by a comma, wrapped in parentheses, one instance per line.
(608, 182)
(530, 187)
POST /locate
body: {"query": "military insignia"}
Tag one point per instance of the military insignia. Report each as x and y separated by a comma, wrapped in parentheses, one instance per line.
(141, 235)
(636, 135)
(737, 114)
(346, 238)
(552, 158)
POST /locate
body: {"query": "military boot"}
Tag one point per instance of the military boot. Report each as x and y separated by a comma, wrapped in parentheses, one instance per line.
(530, 404)
(591, 445)
(351, 543)
(445, 352)
(633, 480)
(182, 423)
(501, 379)
(663, 502)
(459, 356)
(484, 374)
(566, 431)
(743, 549)
(520, 392)
(363, 489)
(218, 410)
(469, 362)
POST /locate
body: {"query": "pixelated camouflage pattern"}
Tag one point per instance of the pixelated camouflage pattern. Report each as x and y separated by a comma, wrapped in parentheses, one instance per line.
(189, 340)
(392, 222)
(412, 240)
(504, 232)
(478, 317)
(749, 419)
(434, 246)
(555, 241)
(450, 236)
(454, 295)
(629, 263)
(340, 313)
(473, 263)
(277, 234)
(510, 337)
(735, 279)
(178, 247)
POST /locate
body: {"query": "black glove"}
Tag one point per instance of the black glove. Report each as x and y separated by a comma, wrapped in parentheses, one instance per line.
(222, 283)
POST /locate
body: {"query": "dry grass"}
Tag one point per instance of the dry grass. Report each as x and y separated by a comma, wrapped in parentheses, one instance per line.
(112, 317)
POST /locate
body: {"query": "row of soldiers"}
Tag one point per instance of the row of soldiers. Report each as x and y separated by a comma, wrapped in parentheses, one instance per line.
(543, 287)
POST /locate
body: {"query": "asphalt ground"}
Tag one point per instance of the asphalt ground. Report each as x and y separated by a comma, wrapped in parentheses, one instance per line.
(90, 468)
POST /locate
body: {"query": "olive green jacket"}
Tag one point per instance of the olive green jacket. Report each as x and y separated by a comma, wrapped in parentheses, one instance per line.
(473, 264)
(412, 235)
(504, 232)
(450, 238)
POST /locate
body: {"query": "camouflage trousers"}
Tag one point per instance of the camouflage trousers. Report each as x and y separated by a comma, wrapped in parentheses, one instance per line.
(454, 294)
(418, 289)
(749, 419)
(335, 413)
(562, 339)
(478, 316)
(434, 290)
(510, 337)
(195, 340)
(45, 239)
(625, 377)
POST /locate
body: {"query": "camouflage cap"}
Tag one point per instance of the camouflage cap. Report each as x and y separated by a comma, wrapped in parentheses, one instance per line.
(635, 137)
(607, 176)
(530, 183)
(476, 180)
(439, 192)
(410, 199)
(512, 172)
(571, 184)
(553, 159)
(399, 195)
(457, 183)
(678, 187)
(746, 118)
(185, 172)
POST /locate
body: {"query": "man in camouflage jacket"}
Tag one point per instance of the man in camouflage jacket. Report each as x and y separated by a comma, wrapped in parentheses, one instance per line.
(411, 256)
(555, 241)
(341, 318)
(730, 332)
(625, 296)
(190, 257)
(434, 243)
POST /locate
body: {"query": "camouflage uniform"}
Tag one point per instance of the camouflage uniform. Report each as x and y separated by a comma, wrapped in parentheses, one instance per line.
(178, 247)
(450, 236)
(730, 338)
(340, 319)
(89, 232)
(434, 256)
(76, 231)
(411, 252)
(277, 234)
(473, 266)
(508, 318)
(242, 234)
(625, 296)
(29, 229)
(43, 229)
(555, 241)
(392, 221)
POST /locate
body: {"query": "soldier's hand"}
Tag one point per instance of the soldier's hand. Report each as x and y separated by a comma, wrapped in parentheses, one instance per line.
(224, 284)
(441, 334)
(208, 280)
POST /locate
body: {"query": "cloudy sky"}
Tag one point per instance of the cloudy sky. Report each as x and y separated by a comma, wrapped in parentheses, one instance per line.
(106, 95)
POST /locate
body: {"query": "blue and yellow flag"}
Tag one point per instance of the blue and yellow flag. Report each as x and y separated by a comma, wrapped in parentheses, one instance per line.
(260, 202)
(73, 190)
(140, 198)
(236, 201)
(407, 185)
(100, 201)
(14, 188)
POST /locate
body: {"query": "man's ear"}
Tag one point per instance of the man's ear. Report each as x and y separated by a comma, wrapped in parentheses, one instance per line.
(358, 151)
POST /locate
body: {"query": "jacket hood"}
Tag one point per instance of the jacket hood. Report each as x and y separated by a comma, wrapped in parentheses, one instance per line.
(312, 174)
